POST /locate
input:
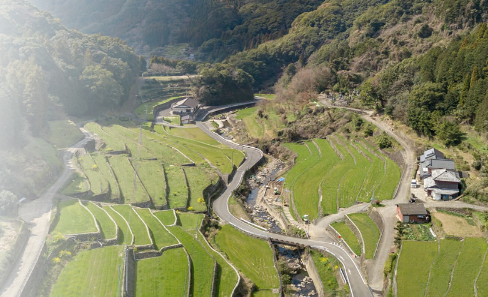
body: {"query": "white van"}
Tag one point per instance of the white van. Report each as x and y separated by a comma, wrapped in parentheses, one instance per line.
(414, 183)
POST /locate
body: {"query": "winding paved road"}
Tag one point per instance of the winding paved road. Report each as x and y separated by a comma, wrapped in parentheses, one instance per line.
(37, 215)
(356, 281)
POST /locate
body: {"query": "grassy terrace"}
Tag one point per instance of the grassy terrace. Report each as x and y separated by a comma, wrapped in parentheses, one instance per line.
(63, 133)
(74, 218)
(108, 174)
(98, 183)
(348, 236)
(125, 236)
(193, 134)
(112, 143)
(369, 231)
(251, 256)
(167, 217)
(306, 188)
(482, 284)
(161, 236)
(124, 173)
(77, 184)
(442, 267)
(202, 263)
(137, 226)
(198, 180)
(190, 222)
(163, 276)
(375, 175)
(414, 266)
(249, 117)
(467, 267)
(178, 190)
(327, 271)
(353, 180)
(152, 177)
(91, 273)
(332, 181)
(107, 226)
(226, 278)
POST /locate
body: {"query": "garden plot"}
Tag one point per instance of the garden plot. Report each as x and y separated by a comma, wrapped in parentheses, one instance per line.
(166, 275)
(130, 184)
(74, 218)
(136, 224)
(369, 232)
(348, 236)
(306, 188)
(160, 235)
(202, 263)
(107, 226)
(253, 257)
(92, 273)
(125, 235)
(414, 265)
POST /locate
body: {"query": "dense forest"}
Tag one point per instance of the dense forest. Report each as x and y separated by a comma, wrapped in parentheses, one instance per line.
(46, 72)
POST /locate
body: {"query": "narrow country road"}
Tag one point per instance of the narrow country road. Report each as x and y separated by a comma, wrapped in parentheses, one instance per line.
(356, 281)
(37, 214)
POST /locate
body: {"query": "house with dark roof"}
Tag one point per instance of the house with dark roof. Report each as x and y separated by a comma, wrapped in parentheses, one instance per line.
(412, 213)
(433, 159)
(442, 184)
(185, 107)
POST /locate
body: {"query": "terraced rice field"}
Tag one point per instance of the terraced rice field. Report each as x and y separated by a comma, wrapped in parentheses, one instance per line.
(167, 217)
(130, 185)
(163, 276)
(226, 278)
(91, 273)
(136, 224)
(198, 181)
(482, 284)
(160, 235)
(107, 226)
(369, 232)
(467, 267)
(125, 234)
(177, 188)
(202, 263)
(252, 256)
(74, 218)
(306, 188)
(108, 174)
(152, 177)
(356, 175)
(348, 236)
(98, 183)
(443, 266)
(414, 266)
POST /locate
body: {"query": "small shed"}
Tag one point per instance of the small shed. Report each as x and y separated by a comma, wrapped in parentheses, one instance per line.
(413, 213)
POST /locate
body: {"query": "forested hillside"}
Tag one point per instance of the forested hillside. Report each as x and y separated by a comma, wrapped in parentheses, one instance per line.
(214, 29)
(47, 71)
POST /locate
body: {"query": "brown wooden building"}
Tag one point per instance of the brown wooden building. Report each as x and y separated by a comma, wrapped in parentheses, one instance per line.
(412, 213)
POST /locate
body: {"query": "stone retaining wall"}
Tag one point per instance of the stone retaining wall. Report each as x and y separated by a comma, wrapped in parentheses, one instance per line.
(128, 282)
(189, 274)
(275, 261)
(378, 220)
(313, 272)
(214, 279)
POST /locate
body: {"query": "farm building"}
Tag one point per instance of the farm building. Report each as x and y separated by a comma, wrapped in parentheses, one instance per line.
(187, 106)
(442, 184)
(412, 213)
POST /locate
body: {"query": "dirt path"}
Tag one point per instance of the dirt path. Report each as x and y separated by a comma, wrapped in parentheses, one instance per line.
(37, 214)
